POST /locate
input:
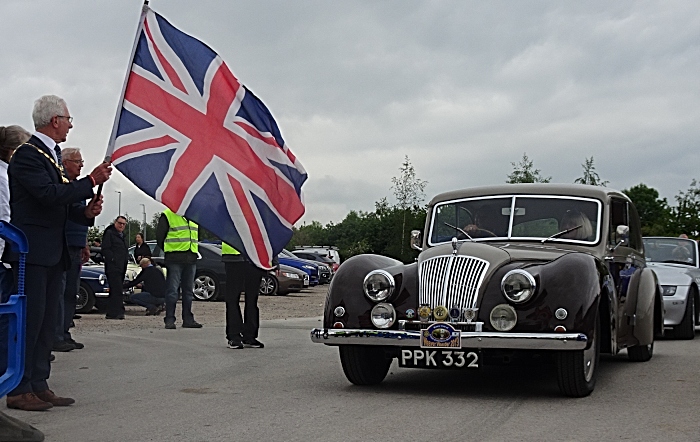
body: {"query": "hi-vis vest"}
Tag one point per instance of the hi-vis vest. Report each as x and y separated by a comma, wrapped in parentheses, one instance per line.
(182, 235)
(228, 250)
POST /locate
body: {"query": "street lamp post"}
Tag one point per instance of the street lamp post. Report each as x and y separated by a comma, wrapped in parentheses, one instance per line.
(120, 202)
(144, 222)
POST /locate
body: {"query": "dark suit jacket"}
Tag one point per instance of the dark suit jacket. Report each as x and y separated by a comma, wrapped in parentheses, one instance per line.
(40, 204)
(114, 251)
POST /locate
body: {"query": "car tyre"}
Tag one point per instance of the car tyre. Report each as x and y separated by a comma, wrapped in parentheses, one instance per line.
(206, 287)
(686, 329)
(85, 299)
(577, 371)
(268, 285)
(364, 365)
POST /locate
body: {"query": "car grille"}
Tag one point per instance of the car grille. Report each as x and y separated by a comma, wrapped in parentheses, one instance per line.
(451, 281)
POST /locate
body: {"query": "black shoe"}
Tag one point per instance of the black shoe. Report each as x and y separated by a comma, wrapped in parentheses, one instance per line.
(63, 346)
(77, 345)
(152, 311)
(253, 343)
(193, 324)
(170, 325)
(235, 344)
(77, 316)
(115, 317)
(52, 357)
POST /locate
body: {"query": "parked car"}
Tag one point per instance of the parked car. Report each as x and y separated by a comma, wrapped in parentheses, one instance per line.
(310, 267)
(94, 289)
(315, 257)
(507, 271)
(675, 262)
(282, 281)
(328, 251)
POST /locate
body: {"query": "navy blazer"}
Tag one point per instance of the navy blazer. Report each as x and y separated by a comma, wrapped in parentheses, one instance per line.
(40, 204)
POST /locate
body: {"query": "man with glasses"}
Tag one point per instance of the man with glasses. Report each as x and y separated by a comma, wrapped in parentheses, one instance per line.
(116, 255)
(41, 200)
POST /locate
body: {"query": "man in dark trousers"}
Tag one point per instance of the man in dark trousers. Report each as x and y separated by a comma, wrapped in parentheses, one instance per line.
(152, 295)
(116, 255)
(41, 200)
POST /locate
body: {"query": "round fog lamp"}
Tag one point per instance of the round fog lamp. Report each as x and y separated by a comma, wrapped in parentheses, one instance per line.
(503, 317)
(378, 285)
(518, 286)
(383, 315)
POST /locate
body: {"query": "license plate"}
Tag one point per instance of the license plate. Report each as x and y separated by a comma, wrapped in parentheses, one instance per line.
(425, 358)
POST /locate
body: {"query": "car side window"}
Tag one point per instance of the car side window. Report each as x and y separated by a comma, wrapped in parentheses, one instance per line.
(618, 216)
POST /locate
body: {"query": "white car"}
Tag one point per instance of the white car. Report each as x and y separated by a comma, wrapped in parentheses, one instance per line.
(675, 262)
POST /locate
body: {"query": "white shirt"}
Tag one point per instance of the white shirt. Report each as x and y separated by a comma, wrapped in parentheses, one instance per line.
(4, 199)
(49, 143)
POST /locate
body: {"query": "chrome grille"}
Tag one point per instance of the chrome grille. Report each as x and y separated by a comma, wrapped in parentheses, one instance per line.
(451, 281)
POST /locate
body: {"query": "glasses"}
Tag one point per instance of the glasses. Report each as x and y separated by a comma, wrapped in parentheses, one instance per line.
(70, 119)
(81, 162)
(120, 223)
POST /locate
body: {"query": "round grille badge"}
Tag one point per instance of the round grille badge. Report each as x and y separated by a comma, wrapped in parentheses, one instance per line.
(470, 314)
(455, 313)
(440, 313)
(424, 312)
(410, 313)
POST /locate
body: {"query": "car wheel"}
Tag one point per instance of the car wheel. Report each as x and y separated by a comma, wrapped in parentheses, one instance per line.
(206, 287)
(577, 370)
(686, 329)
(364, 365)
(268, 285)
(85, 299)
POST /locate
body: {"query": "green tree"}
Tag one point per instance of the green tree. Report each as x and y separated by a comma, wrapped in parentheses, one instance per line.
(408, 191)
(525, 172)
(654, 212)
(590, 176)
(686, 215)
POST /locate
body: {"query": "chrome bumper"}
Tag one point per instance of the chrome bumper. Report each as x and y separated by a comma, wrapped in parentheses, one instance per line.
(410, 338)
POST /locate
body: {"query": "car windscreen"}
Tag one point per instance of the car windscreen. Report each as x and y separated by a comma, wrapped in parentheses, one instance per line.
(671, 250)
(519, 217)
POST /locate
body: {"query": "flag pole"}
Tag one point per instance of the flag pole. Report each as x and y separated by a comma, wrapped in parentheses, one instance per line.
(113, 135)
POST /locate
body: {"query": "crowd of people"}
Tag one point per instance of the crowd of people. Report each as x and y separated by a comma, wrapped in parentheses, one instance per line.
(42, 194)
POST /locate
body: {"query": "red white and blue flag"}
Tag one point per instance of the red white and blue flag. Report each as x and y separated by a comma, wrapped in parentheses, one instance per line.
(191, 136)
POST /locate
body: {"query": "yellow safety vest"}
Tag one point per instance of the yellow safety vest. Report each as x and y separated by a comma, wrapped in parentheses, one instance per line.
(228, 250)
(183, 234)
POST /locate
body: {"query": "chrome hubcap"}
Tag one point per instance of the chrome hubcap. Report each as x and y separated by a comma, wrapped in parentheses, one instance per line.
(204, 287)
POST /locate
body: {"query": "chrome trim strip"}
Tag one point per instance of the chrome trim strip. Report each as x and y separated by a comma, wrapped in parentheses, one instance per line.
(396, 338)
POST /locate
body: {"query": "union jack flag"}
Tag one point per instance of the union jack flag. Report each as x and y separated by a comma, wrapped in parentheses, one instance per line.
(191, 136)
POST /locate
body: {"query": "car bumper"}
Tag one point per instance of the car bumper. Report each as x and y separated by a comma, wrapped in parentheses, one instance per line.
(406, 338)
(674, 306)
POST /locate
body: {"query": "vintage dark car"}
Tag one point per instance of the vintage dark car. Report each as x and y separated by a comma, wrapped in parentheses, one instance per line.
(505, 273)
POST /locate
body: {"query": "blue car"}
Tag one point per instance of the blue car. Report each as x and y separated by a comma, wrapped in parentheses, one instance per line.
(93, 289)
(288, 259)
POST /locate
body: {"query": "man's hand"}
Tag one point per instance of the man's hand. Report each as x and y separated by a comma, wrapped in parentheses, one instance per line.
(101, 173)
(85, 254)
(94, 208)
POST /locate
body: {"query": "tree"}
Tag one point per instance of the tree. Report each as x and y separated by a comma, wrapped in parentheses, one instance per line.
(525, 172)
(590, 176)
(654, 213)
(687, 214)
(408, 191)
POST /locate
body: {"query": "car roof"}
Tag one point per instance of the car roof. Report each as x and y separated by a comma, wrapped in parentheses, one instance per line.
(579, 190)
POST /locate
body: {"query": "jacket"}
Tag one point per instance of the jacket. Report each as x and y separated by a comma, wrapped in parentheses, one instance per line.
(114, 250)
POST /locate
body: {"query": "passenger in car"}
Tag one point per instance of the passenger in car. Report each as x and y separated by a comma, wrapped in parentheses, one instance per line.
(573, 218)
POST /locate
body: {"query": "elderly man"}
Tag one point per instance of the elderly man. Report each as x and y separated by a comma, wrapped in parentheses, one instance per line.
(41, 200)
(76, 236)
(116, 254)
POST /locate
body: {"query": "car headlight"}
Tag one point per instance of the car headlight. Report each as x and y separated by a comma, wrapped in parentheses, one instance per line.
(378, 285)
(290, 275)
(383, 315)
(518, 286)
(102, 279)
(308, 267)
(503, 317)
(668, 290)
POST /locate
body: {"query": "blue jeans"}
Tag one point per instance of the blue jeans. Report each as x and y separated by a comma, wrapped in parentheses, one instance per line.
(180, 277)
(145, 299)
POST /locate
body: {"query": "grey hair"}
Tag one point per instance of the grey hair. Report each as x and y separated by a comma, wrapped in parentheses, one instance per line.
(11, 137)
(47, 107)
(70, 152)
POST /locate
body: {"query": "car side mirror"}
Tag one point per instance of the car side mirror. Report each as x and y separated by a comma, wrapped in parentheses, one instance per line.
(416, 240)
(622, 235)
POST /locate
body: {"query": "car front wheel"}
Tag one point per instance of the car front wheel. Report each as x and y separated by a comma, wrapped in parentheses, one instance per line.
(364, 365)
(268, 285)
(577, 370)
(686, 329)
(85, 298)
(206, 287)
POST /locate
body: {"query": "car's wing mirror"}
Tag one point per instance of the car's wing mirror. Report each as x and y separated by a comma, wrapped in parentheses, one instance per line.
(416, 240)
(622, 235)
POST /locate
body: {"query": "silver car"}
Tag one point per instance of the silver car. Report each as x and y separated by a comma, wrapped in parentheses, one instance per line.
(675, 262)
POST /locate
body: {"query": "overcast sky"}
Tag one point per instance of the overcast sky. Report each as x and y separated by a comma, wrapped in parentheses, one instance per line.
(463, 88)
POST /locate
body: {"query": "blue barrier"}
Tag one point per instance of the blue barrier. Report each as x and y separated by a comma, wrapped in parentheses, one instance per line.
(15, 309)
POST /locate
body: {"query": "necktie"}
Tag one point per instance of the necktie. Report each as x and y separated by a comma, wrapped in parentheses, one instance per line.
(58, 154)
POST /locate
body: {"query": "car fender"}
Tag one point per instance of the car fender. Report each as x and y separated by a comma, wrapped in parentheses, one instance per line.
(644, 312)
